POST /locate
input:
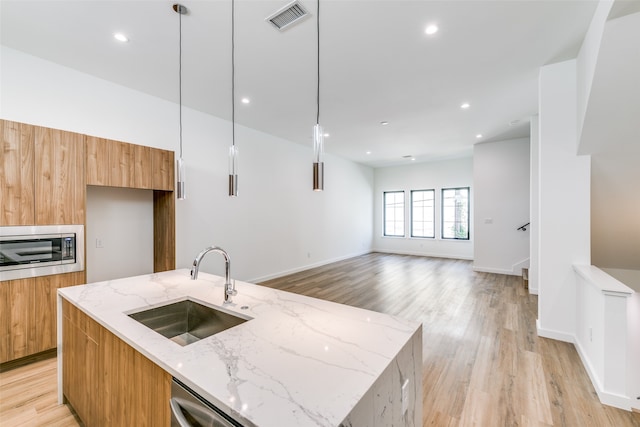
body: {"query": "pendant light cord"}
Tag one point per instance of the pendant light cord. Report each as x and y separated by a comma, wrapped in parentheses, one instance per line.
(180, 71)
(318, 64)
(233, 76)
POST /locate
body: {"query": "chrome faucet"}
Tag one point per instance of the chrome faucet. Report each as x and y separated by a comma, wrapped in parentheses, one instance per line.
(229, 285)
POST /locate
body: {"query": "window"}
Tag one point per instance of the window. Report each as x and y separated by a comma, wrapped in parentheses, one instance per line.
(455, 213)
(394, 213)
(423, 213)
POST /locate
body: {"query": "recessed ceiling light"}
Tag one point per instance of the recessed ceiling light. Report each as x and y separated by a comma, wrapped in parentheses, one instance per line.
(431, 29)
(368, 152)
(479, 136)
(326, 135)
(121, 37)
(384, 123)
(245, 100)
(465, 105)
(413, 159)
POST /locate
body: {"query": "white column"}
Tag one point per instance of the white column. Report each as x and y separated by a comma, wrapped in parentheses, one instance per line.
(564, 202)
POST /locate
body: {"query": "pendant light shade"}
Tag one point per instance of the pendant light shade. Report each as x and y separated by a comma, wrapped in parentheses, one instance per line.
(233, 151)
(318, 164)
(233, 171)
(180, 165)
(318, 132)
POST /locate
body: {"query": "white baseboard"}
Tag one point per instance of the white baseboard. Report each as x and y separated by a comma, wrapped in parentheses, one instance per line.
(554, 335)
(306, 267)
(532, 291)
(425, 254)
(495, 271)
(606, 398)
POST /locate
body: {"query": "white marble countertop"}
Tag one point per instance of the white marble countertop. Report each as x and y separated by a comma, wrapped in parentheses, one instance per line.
(299, 362)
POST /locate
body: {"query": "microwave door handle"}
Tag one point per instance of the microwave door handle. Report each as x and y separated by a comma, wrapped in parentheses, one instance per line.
(197, 410)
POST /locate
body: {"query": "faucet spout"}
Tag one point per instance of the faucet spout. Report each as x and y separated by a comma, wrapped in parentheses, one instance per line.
(229, 285)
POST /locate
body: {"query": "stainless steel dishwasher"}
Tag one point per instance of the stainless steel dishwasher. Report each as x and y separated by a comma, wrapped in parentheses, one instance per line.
(188, 409)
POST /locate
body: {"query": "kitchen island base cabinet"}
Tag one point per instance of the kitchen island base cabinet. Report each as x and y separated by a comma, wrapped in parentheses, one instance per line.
(106, 381)
(386, 403)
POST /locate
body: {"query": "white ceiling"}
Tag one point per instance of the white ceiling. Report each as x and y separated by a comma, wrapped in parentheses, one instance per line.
(377, 64)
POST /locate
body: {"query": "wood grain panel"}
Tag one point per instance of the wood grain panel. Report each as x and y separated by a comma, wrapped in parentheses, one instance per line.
(163, 169)
(164, 231)
(142, 173)
(107, 381)
(45, 307)
(121, 164)
(17, 174)
(18, 331)
(59, 177)
(97, 161)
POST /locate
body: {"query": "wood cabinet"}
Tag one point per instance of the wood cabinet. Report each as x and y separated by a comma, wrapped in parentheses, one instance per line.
(16, 174)
(60, 190)
(28, 314)
(120, 164)
(163, 170)
(107, 381)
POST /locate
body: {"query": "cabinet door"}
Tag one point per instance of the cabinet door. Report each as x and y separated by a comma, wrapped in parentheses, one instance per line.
(59, 177)
(163, 169)
(17, 332)
(122, 163)
(107, 381)
(82, 365)
(142, 167)
(45, 307)
(97, 161)
(16, 174)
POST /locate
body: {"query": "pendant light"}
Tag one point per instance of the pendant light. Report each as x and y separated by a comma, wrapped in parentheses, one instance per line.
(233, 151)
(318, 133)
(180, 166)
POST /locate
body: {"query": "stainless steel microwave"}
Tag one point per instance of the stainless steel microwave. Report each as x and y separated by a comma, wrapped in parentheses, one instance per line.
(30, 251)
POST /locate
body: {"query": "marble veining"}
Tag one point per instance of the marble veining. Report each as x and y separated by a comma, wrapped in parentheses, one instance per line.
(299, 361)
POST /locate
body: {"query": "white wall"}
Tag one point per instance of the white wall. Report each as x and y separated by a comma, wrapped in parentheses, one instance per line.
(534, 211)
(423, 176)
(501, 184)
(615, 210)
(564, 222)
(276, 225)
(121, 219)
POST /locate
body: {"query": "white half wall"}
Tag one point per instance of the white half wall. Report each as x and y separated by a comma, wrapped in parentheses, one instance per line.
(423, 176)
(277, 224)
(501, 206)
(564, 202)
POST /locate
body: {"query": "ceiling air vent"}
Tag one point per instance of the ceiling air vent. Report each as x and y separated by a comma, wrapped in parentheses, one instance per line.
(288, 15)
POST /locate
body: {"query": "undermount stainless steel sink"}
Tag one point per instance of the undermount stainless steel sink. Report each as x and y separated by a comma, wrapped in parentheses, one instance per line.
(187, 321)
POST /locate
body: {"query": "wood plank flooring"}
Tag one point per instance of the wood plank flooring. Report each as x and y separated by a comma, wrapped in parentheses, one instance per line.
(484, 364)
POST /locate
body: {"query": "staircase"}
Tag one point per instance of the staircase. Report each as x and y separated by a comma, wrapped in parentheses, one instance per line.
(525, 278)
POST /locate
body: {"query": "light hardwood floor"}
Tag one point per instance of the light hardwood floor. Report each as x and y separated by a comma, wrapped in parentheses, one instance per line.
(484, 365)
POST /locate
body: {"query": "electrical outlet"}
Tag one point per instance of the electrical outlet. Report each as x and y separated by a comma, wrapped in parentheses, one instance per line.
(99, 243)
(405, 396)
(590, 334)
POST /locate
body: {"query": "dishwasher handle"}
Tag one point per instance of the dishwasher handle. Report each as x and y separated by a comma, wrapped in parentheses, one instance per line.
(198, 411)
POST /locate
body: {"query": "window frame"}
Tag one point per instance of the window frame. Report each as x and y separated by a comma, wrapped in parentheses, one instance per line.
(384, 213)
(442, 207)
(433, 209)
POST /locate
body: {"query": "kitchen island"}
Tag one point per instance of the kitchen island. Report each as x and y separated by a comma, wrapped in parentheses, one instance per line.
(297, 361)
